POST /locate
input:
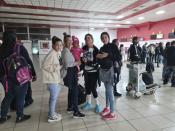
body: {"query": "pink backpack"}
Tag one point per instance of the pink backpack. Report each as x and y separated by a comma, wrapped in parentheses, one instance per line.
(16, 68)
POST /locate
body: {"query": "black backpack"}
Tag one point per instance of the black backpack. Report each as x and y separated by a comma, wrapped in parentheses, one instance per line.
(147, 78)
(81, 94)
(150, 67)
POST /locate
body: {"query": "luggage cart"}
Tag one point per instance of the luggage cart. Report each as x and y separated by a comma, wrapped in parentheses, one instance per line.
(133, 84)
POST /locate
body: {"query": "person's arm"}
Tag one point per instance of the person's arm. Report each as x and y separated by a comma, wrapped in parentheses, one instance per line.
(24, 53)
(47, 64)
(68, 61)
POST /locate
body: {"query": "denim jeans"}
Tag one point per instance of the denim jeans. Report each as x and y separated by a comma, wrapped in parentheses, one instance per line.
(14, 91)
(54, 90)
(170, 73)
(72, 83)
(110, 102)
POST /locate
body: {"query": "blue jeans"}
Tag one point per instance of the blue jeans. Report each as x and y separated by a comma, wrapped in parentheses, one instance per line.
(54, 90)
(109, 96)
(14, 91)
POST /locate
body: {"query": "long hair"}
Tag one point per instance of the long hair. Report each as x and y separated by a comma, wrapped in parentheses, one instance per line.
(9, 41)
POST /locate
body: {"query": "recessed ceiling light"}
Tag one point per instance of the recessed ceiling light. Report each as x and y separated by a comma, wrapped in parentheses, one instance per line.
(92, 28)
(105, 29)
(117, 25)
(109, 21)
(101, 24)
(128, 22)
(160, 12)
(120, 17)
(141, 18)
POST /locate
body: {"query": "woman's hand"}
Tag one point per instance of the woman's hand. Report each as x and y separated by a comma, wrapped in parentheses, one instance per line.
(102, 55)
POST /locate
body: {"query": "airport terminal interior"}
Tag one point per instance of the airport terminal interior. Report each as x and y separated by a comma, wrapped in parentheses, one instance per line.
(137, 91)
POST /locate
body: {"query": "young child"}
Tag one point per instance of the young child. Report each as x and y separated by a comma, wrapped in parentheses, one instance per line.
(51, 77)
(76, 50)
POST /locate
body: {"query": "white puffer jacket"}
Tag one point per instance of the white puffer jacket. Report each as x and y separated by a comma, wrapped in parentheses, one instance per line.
(51, 67)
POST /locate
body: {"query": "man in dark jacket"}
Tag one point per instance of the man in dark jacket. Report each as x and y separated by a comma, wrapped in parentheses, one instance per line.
(159, 53)
(144, 52)
(170, 57)
(135, 54)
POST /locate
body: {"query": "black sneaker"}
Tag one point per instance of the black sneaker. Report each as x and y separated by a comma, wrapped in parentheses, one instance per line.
(3, 120)
(23, 118)
(117, 94)
(165, 82)
(70, 110)
(78, 115)
(172, 85)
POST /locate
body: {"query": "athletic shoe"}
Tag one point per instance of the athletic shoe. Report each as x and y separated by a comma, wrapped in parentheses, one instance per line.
(105, 111)
(98, 108)
(55, 118)
(70, 111)
(58, 115)
(110, 116)
(23, 118)
(87, 106)
(78, 115)
(172, 85)
(117, 94)
(3, 120)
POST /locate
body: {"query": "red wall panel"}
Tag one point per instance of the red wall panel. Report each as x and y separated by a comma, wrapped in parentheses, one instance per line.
(147, 29)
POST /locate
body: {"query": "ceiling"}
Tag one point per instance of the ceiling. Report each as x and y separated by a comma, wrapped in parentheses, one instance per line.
(86, 13)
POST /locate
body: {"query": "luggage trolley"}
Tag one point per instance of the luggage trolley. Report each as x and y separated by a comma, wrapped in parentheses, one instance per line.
(133, 84)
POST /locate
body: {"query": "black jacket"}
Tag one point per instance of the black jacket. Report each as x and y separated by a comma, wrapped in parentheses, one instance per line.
(113, 56)
(170, 56)
(134, 52)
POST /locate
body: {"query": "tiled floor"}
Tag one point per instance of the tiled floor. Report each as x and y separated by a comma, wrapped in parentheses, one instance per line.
(149, 113)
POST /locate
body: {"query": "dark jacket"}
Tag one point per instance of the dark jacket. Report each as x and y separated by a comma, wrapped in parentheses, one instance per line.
(113, 56)
(170, 56)
(23, 52)
(159, 50)
(135, 54)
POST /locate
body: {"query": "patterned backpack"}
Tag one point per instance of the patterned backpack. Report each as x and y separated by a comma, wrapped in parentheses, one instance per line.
(16, 68)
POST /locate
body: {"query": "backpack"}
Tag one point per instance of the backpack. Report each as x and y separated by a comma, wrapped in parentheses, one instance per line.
(16, 68)
(147, 78)
(150, 67)
(81, 94)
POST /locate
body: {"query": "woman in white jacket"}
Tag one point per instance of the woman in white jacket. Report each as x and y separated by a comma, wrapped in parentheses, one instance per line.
(51, 76)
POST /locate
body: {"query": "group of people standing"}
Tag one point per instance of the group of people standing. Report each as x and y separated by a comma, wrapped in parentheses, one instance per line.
(155, 54)
(97, 65)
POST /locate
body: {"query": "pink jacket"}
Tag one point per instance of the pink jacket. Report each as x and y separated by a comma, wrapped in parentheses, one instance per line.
(76, 53)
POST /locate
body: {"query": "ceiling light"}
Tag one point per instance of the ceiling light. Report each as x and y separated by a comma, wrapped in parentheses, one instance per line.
(101, 24)
(128, 22)
(117, 25)
(120, 17)
(141, 18)
(160, 12)
(91, 28)
(109, 21)
(105, 29)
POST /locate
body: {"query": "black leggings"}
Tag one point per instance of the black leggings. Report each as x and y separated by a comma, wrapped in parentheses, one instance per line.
(91, 83)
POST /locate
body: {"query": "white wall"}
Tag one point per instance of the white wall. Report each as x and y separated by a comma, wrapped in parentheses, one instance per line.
(80, 33)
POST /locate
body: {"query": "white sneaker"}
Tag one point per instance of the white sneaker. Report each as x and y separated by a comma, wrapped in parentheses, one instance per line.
(57, 115)
(54, 119)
